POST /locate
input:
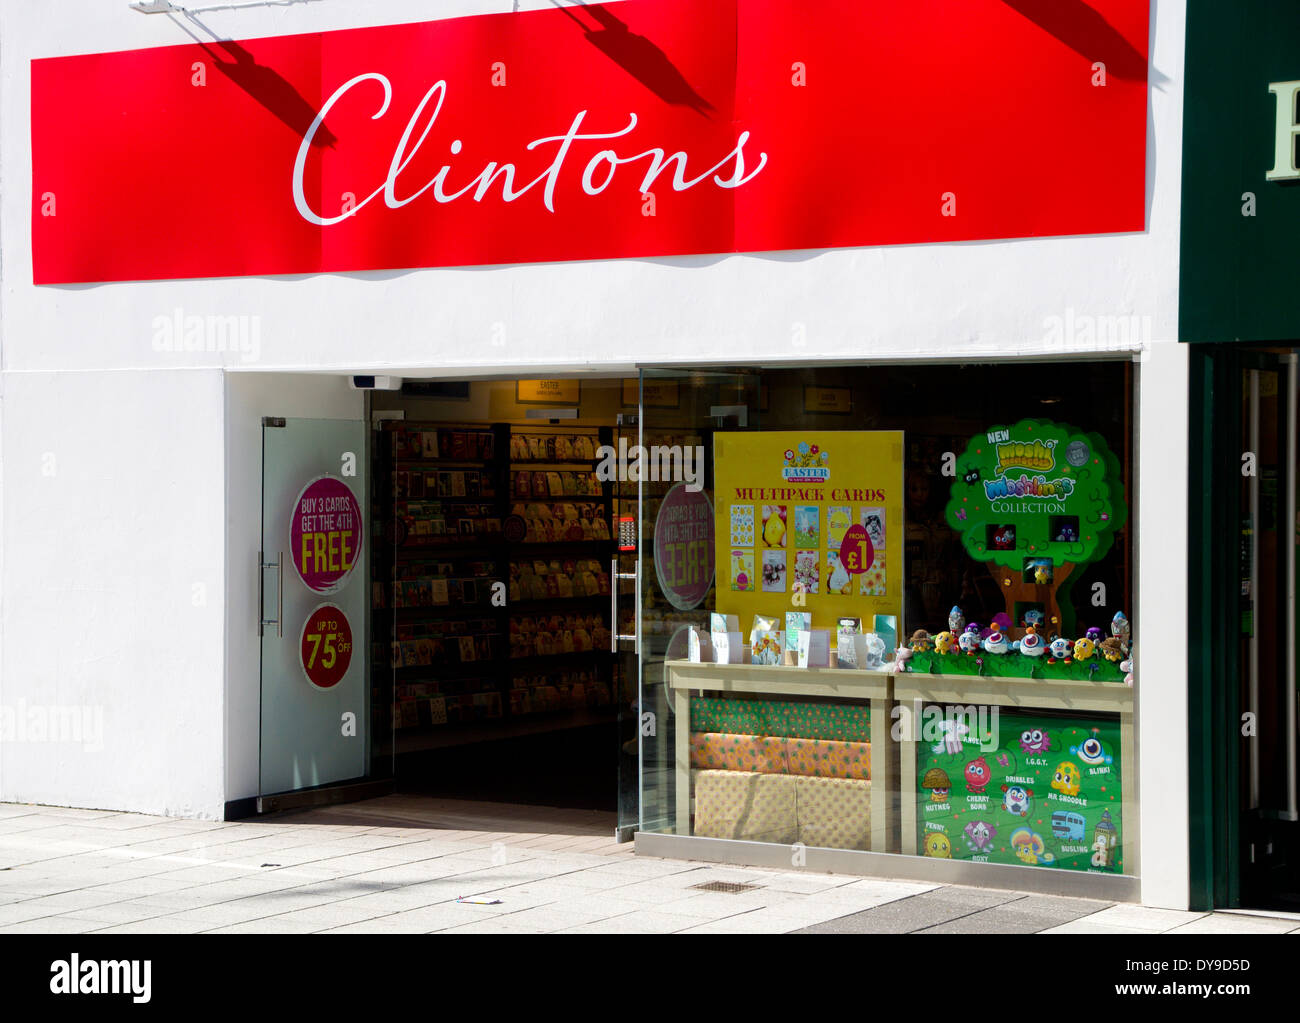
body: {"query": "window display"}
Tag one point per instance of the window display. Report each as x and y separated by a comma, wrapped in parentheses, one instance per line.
(995, 726)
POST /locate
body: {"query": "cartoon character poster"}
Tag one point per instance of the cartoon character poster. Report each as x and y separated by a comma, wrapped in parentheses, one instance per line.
(1038, 501)
(1048, 793)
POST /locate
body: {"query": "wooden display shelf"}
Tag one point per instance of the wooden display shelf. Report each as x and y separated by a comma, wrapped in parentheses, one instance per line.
(876, 687)
(556, 605)
(456, 546)
(577, 548)
(1073, 695)
(565, 466)
(418, 611)
(490, 499)
(558, 499)
(448, 464)
(534, 663)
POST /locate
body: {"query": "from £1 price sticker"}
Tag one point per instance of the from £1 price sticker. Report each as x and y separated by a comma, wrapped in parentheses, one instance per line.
(326, 647)
(856, 553)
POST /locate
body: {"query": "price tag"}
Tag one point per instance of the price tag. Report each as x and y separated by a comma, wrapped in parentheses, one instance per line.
(326, 647)
(856, 553)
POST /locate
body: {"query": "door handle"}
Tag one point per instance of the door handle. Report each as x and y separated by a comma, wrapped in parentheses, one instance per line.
(279, 603)
(614, 636)
(1252, 652)
(1286, 538)
(1289, 385)
(278, 620)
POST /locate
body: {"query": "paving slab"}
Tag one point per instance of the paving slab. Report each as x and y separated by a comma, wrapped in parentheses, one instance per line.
(53, 925)
(264, 925)
(1085, 925)
(640, 922)
(757, 922)
(1231, 923)
(1144, 918)
(158, 925)
(543, 920)
(916, 912)
(1028, 915)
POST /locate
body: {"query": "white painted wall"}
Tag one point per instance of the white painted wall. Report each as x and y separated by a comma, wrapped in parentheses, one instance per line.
(113, 578)
(1161, 530)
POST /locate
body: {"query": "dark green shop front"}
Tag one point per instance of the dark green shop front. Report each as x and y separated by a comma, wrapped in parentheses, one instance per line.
(1239, 309)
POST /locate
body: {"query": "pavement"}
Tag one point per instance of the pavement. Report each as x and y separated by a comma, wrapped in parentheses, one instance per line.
(400, 865)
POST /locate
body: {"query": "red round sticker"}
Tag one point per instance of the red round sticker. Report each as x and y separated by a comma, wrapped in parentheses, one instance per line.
(326, 647)
(856, 552)
(325, 533)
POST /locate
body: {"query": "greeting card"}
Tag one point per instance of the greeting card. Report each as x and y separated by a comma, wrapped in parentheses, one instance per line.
(742, 525)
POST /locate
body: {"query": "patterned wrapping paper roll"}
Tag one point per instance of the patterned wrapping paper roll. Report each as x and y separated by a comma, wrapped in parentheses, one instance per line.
(777, 755)
(833, 813)
(826, 758)
(783, 718)
(744, 717)
(830, 813)
(738, 804)
(721, 751)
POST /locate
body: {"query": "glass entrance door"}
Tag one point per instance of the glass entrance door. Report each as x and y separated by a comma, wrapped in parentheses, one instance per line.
(1270, 825)
(675, 572)
(314, 587)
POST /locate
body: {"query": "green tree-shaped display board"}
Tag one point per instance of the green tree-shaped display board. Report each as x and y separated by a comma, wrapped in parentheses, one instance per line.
(1035, 500)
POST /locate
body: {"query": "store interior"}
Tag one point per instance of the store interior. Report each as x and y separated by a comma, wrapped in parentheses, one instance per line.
(496, 547)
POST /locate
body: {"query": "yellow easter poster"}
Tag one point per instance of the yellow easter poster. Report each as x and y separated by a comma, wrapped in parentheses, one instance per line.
(809, 521)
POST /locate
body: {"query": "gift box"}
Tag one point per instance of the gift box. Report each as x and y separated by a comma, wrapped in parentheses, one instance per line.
(833, 813)
(840, 722)
(745, 805)
(721, 715)
(826, 758)
(766, 754)
(728, 751)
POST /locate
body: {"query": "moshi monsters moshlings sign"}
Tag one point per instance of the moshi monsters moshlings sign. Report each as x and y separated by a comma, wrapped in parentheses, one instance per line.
(1048, 794)
(1036, 500)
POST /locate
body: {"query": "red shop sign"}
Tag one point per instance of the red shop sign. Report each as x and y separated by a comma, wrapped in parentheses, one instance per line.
(644, 128)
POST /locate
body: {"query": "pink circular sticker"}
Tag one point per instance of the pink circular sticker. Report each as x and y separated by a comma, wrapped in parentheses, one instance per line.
(325, 534)
(856, 553)
(684, 547)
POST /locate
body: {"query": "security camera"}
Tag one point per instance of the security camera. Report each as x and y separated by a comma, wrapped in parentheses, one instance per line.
(373, 383)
